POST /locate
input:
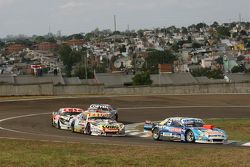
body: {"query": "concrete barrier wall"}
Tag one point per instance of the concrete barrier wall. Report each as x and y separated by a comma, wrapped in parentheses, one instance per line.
(26, 90)
(187, 89)
(78, 89)
(50, 89)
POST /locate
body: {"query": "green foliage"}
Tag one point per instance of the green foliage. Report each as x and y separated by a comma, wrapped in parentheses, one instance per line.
(39, 39)
(25, 42)
(219, 60)
(200, 25)
(80, 72)
(155, 58)
(196, 45)
(140, 33)
(215, 24)
(237, 69)
(103, 66)
(51, 39)
(142, 79)
(215, 74)
(223, 32)
(184, 30)
(75, 36)
(70, 57)
(89, 36)
(2, 44)
(122, 49)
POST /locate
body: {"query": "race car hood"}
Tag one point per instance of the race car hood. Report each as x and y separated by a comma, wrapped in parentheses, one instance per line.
(207, 131)
(109, 123)
(67, 117)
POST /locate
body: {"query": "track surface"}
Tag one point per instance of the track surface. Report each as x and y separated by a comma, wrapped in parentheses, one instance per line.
(132, 109)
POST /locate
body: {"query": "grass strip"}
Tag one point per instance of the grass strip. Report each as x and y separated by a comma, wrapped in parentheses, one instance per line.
(36, 154)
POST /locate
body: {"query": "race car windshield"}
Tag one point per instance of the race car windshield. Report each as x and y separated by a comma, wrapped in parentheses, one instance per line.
(194, 124)
(99, 118)
(70, 113)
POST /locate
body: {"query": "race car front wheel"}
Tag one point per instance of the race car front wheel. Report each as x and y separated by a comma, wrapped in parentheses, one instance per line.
(156, 134)
(88, 130)
(189, 137)
(73, 127)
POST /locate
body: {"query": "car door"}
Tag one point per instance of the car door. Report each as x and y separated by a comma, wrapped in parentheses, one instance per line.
(175, 129)
(80, 123)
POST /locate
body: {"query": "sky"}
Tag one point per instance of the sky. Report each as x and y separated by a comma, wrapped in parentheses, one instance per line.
(38, 17)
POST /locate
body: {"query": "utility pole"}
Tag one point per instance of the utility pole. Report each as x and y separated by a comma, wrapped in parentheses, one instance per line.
(115, 22)
(85, 65)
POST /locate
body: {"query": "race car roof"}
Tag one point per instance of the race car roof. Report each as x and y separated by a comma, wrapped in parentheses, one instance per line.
(99, 105)
(97, 114)
(71, 110)
(181, 119)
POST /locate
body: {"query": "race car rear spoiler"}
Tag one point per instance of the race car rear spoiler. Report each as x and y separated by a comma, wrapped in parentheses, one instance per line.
(148, 125)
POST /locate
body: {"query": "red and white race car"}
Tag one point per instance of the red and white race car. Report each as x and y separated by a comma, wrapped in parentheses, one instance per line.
(61, 118)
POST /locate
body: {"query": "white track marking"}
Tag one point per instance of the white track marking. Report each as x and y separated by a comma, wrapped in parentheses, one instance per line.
(246, 144)
(23, 116)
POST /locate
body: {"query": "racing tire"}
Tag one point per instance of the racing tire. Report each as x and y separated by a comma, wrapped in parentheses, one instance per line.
(88, 129)
(156, 134)
(73, 127)
(189, 137)
(58, 125)
(116, 117)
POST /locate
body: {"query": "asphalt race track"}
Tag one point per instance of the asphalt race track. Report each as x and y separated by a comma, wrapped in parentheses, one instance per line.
(32, 119)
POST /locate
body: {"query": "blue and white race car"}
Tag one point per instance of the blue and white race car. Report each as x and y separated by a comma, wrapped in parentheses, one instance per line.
(185, 129)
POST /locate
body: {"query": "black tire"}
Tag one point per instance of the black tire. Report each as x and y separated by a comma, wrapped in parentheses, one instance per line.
(116, 117)
(73, 127)
(189, 137)
(88, 130)
(156, 134)
(58, 124)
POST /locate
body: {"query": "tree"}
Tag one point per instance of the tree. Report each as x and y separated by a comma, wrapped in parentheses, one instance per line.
(238, 69)
(215, 74)
(184, 30)
(51, 39)
(75, 36)
(142, 79)
(223, 32)
(215, 24)
(196, 45)
(219, 60)
(39, 39)
(156, 57)
(80, 72)
(65, 55)
(2, 44)
(200, 25)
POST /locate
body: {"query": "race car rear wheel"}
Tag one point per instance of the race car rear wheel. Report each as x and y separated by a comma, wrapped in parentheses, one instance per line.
(156, 134)
(88, 129)
(189, 137)
(58, 125)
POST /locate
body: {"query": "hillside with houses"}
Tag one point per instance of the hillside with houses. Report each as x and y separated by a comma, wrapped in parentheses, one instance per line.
(199, 53)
